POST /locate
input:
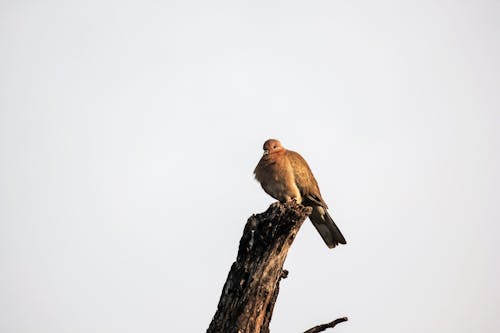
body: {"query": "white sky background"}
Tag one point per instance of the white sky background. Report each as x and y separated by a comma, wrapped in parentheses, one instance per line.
(129, 133)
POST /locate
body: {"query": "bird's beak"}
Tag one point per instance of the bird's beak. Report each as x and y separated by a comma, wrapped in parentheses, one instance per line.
(266, 151)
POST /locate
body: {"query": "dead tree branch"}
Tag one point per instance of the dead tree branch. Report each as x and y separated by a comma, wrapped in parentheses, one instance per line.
(251, 289)
(321, 328)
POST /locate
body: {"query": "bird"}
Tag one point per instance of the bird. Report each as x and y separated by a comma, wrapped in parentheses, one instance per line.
(285, 175)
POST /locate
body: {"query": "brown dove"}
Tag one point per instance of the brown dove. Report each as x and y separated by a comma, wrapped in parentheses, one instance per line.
(285, 175)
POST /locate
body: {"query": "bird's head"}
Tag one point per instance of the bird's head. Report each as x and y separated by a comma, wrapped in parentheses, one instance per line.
(272, 146)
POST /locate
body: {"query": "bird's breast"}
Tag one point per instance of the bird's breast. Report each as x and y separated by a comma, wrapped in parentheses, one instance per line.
(277, 179)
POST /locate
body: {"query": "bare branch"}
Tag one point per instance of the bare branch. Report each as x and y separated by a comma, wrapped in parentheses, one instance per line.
(321, 328)
(252, 286)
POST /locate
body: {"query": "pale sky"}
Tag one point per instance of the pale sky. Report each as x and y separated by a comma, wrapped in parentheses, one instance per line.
(129, 132)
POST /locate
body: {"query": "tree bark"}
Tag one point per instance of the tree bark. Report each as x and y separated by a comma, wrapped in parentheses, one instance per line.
(252, 285)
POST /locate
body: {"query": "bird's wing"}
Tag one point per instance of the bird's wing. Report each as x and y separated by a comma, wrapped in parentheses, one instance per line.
(304, 179)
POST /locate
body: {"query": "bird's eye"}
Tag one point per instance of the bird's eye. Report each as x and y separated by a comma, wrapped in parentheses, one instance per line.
(274, 147)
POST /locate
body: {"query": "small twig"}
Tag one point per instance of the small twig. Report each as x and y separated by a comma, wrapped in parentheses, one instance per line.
(321, 328)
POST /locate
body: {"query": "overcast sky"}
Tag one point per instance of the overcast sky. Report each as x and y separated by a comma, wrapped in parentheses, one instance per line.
(129, 132)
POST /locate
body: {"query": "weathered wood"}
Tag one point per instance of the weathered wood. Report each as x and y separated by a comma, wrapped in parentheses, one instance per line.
(252, 285)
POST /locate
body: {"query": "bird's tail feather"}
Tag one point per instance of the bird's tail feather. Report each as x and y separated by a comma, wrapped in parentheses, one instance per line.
(326, 227)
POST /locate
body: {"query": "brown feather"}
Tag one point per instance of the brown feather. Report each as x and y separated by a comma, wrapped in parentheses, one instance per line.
(285, 175)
